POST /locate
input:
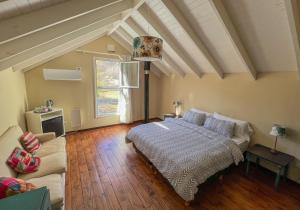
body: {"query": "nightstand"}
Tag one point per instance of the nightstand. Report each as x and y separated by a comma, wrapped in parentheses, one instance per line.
(38, 199)
(171, 115)
(280, 159)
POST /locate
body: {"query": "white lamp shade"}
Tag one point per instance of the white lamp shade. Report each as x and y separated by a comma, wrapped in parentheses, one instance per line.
(277, 131)
(147, 48)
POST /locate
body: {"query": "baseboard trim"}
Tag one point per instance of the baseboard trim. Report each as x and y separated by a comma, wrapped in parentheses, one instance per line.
(104, 126)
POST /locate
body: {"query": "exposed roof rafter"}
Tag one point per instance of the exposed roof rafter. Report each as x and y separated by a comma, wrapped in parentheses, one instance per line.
(228, 26)
(192, 34)
(38, 20)
(140, 31)
(60, 50)
(293, 14)
(115, 36)
(137, 4)
(44, 47)
(156, 23)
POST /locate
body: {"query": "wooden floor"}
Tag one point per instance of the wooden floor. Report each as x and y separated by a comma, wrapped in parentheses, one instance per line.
(106, 173)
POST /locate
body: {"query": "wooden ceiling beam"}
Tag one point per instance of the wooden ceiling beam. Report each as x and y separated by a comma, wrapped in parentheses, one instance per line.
(39, 49)
(22, 44)
(60, 50)
(168, 37)
(44, 18)
(193, 35)
(293, 13)
(126, 15)
(228, 26)
(141, 32)
(115, 36)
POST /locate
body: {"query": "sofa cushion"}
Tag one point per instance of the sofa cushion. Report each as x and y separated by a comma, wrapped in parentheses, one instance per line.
(52, 146)
(55, 184)
(8, 142)
(11, 186)
(23, 162)
(30, 142)
(50, 164)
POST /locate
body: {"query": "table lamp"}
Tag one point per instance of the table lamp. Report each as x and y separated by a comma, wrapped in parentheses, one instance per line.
(277, 131)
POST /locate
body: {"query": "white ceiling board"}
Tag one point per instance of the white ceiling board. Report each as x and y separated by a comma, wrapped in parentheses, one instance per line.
(11, 8)
(180, 35)
(38, 20)
(150, 30)
(264, 29)
(209, 28)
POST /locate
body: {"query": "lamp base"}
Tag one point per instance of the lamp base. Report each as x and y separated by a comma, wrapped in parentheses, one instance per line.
(273, 151)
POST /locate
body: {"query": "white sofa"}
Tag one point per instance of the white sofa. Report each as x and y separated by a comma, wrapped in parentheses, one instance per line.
(53, 166)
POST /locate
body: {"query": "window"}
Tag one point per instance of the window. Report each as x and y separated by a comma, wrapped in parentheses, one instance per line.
(107, 87)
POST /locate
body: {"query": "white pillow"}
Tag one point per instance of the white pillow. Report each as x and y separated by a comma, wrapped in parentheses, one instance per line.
(202, 112)
(242, 129)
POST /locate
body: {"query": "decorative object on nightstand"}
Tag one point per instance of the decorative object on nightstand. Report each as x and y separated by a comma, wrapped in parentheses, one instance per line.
(280, 159)
(177, 105)
(38, 199)
(277, 131)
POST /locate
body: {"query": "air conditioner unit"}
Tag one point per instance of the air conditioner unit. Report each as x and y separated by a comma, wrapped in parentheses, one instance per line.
(62, 74)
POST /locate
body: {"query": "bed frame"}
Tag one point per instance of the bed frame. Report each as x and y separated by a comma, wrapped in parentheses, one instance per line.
(218, 175)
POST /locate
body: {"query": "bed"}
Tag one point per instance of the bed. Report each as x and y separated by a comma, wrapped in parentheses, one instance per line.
(186, 154)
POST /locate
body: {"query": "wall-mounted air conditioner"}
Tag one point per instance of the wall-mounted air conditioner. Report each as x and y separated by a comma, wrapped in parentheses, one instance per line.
(62, 74)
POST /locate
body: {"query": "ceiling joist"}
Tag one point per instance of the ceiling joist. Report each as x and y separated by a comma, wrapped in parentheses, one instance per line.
(156, 23)
(293, 14)
(193, 35)
(228, 26)
(141, 32)
(115, 36)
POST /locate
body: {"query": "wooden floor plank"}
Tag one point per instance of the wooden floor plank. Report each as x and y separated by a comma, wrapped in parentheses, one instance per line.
(105, 172)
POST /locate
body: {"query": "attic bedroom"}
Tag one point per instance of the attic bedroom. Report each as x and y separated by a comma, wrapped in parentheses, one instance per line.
(149, 104)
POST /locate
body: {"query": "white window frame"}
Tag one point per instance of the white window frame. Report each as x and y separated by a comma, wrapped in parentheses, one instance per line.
(138, 76)
(95, 86)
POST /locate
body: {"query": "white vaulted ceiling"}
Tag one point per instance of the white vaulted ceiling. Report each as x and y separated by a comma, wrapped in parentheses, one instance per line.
(200, 36)
(11, 8)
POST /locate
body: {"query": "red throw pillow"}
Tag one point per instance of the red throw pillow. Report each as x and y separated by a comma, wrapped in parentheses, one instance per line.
(11, 186)
(23, 162)
(30, 142)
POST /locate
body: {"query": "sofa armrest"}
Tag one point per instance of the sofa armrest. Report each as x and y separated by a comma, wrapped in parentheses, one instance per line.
(43, 137)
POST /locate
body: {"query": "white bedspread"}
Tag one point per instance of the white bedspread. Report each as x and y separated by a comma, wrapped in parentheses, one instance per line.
(184, 153)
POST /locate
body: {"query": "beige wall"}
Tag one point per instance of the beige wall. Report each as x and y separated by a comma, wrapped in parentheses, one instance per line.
(273, 98)
(72, 94)
(13, 99)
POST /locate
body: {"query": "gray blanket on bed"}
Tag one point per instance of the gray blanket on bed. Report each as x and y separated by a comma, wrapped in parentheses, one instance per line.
(184, 153)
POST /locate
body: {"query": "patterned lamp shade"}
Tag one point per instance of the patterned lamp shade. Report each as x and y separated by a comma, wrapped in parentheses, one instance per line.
(147, 48)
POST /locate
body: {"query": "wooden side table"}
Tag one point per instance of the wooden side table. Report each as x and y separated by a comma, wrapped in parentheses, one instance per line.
(38, 199)
(280, 159)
